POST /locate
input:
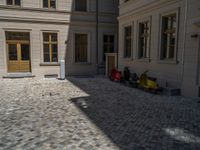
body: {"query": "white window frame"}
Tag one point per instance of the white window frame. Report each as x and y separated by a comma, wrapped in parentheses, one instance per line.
(41, 3)
(145, 19)
(115, 41)
(131, 24)
(42, 47)
(174, 60)
(5, 3)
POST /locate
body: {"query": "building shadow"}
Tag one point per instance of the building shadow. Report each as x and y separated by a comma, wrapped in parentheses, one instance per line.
(136, 120)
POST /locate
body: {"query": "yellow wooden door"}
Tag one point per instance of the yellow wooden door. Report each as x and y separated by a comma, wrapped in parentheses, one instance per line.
(18, 57)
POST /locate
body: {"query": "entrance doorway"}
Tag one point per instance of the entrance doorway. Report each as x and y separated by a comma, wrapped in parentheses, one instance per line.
(111, 64)
(18, 51)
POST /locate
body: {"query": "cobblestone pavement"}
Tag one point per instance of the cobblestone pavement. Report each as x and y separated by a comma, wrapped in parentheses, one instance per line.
(93, 114)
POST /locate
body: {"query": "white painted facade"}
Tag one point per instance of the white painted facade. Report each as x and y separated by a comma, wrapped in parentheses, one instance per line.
(183, 71)
(33, 18)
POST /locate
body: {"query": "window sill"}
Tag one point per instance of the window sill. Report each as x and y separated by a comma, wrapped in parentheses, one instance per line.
(167, 61)
(81, 11)
(52, 9)
(127, 58)
(82, 63)
(147, 60)
(49, 64)
(14, 6)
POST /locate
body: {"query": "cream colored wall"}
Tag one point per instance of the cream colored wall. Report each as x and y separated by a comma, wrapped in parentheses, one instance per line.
(191, 76)
(61, 4)
(185, 73)
(169, 73)
(36, 44)
(31, 16)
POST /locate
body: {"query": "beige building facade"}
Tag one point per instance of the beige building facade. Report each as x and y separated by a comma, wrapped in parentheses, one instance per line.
(36, 35)
(163, 37)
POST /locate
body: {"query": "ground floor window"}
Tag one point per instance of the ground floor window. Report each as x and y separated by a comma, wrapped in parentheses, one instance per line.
(80, 5)
(81, 48)
(50, 47)
(169, 27)
(13, 2)
(127, 41)
(108, 44)
(144, 39)
(49, 4)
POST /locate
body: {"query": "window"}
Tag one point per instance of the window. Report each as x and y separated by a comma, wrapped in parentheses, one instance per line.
(169, 25)
(50, 47)
(127, 41)
(14, 2)
(80, 5)
(144, 39)
(81, 48)
(17, 36)
(108, 44)
(49, 4)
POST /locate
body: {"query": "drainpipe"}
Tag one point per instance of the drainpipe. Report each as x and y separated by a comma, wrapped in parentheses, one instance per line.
(97, 33)
(198, 62)
(184, 40)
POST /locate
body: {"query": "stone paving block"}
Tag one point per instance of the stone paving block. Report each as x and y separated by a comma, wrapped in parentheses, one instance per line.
(93, 114)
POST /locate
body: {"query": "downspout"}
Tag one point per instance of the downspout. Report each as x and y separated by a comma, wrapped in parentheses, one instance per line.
(184, 42)
(97, 33)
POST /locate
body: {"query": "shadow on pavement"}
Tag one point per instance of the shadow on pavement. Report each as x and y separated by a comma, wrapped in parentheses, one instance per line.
(135, 120)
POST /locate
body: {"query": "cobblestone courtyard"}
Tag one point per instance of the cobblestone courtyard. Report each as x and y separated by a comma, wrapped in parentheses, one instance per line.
(93, 114)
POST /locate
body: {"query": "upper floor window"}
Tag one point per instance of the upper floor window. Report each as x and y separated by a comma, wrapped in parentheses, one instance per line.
(127, 41)
(14, 2)
(144, 39)
(80, 5)
(168, 37)
(49, 4)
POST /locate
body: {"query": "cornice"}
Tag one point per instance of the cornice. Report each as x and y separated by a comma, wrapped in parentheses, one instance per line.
(43, 10)
(146, 8)
(33, 9)
(54, 21)
(33, 20)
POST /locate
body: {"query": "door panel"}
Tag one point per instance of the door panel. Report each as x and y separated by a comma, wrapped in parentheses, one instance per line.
(13, 63)
(25, 55)
(12, 52)
(24, 58)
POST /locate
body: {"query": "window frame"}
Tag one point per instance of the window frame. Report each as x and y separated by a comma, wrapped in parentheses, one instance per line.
(13, 3)
(88, 47)
(56, 5)
(42, 48)
(174, 59)
(108, 34)
(124, 40)
(147, 57)
(87, 6)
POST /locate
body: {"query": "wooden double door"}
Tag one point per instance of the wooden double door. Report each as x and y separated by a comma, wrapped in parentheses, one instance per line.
(18, 55)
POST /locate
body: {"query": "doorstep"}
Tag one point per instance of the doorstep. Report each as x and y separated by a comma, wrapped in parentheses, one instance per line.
(19, 75)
